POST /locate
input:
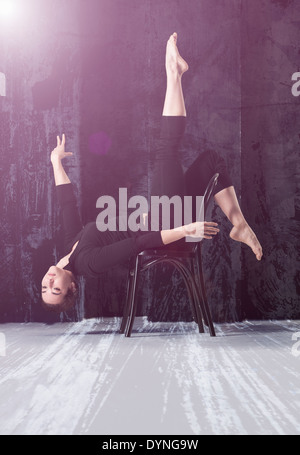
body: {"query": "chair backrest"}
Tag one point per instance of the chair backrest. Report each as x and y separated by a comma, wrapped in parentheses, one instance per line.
(204, 205)
(209, 193)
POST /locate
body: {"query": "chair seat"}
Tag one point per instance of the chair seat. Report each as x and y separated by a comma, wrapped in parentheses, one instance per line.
(177, 249)
(162, 252)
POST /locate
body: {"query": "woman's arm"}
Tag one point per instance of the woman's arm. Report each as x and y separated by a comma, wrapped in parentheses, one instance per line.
(57, 155)
(100, 259)
(72, 224)
(205, 229)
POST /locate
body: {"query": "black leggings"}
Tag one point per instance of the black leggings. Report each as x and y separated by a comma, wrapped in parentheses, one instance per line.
(169, 178)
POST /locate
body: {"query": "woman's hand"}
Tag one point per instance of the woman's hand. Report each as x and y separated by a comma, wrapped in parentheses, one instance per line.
(201, 230)
(198, 231)
(59, 153)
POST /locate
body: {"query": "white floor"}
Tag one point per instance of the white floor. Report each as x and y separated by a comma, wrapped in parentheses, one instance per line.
(86, 378)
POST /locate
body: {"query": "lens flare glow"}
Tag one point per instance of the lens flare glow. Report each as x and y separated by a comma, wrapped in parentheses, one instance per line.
(7, 8)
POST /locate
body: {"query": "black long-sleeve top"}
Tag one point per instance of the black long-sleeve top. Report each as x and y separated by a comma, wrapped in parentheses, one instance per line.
(97, 251)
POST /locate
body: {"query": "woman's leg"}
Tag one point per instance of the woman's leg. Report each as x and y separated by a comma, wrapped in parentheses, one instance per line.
(241, 231)
(176, 66)
(168, 176)
(198, 175)
(197, 178)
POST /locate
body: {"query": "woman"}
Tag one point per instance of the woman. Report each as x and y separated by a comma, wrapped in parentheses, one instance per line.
(90, 252)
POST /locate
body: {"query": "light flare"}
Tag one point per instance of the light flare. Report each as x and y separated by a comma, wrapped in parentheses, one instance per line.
(8, 9)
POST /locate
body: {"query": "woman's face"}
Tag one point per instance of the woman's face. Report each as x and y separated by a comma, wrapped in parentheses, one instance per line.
(55, 285)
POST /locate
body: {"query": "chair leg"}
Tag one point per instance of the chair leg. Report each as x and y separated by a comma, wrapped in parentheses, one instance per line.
(198, 291)
(198, 301)
(198, 319)
(133, 301)
(207, 313)
(190, 285)
(193, 304)
(197, 311)
(191, 288)
(128, 299)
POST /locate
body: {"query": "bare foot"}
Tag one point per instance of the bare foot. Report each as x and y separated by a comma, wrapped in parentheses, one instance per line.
(174, 62)
(243, 233)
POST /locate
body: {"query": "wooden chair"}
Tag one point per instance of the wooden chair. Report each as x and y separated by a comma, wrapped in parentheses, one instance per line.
(188, 261)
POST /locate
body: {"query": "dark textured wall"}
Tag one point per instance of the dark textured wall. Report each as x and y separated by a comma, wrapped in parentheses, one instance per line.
(94, 70)
(270, 154)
